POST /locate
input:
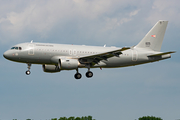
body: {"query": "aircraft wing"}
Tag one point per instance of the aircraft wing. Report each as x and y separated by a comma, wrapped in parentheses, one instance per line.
(96, 58)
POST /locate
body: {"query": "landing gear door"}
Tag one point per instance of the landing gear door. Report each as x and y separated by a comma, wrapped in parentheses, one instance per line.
(31, 49)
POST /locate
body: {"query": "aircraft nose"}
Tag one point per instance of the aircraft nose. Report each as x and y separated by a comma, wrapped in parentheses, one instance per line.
(6, 55)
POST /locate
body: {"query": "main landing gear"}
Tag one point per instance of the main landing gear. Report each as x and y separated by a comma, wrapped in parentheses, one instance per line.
(89, 74)
(29, 67)
(77, 75)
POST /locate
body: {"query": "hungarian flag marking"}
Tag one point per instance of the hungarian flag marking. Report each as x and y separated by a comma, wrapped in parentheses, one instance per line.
(153, 36)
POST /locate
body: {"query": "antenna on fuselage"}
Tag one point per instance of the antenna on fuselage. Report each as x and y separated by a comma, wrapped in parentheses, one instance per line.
(31, 41)
(105, 45)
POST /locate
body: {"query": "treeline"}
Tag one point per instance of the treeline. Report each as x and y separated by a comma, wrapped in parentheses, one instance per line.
(70, 118)
(74, 118)
(90, 118)
(150, 118)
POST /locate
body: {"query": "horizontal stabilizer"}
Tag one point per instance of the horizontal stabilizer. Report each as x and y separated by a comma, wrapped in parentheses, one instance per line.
(159, 54)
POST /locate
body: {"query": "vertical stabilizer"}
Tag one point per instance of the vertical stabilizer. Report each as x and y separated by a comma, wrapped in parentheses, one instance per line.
(154, 37)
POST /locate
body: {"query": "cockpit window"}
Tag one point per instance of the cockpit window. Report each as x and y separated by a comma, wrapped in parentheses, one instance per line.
(16, 48)
(13, 48)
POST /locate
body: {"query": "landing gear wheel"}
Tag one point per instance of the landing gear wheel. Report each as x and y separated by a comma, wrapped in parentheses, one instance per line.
(29, 67)
(89, 74)
(28, 72)
(78, 76)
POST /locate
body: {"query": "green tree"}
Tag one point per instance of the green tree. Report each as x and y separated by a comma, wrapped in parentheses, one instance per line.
(89, 117)
(54, 119)
(78, 118)
(62, 118)
(82, 118)
(71, 118)
(150, 118)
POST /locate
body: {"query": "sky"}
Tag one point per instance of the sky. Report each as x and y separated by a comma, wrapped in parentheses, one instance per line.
(111, 94)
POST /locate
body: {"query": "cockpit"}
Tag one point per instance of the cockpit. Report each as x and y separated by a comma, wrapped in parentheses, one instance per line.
(16, 48)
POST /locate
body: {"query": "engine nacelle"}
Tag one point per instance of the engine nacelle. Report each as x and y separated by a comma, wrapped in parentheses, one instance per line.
(50, 68)
(65, 63)
(69, 64)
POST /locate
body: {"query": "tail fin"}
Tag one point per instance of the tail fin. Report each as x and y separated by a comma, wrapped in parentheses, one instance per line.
(154, 37)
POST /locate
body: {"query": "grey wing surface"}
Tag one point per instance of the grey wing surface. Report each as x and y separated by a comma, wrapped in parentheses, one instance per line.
(96, 58)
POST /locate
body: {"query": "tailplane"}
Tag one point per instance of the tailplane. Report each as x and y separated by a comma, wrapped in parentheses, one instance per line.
(154, 37)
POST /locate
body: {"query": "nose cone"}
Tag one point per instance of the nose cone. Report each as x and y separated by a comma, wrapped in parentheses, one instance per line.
(6, 55)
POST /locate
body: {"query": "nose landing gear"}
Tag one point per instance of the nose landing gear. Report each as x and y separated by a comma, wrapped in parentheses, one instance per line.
(28, 72)
(29, 67)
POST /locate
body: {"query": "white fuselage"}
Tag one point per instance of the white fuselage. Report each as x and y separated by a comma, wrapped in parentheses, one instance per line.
(42, 53)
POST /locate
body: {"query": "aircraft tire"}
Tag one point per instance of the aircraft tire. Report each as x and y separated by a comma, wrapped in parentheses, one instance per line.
(89, 74)
(28, 72)
(78, 76)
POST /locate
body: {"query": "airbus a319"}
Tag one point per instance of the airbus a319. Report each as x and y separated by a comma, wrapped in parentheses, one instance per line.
(58, 57)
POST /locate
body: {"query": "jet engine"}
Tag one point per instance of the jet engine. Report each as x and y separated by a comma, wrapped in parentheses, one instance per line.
(61, 64)
(50, 68)
(68, 64)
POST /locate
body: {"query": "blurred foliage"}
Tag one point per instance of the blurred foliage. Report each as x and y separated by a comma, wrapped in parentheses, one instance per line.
(70, 118)
(90, 118)
(150, 118)
(74, 118)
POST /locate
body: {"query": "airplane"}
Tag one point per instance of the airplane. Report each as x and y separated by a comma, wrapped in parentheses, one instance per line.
(58, 57)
